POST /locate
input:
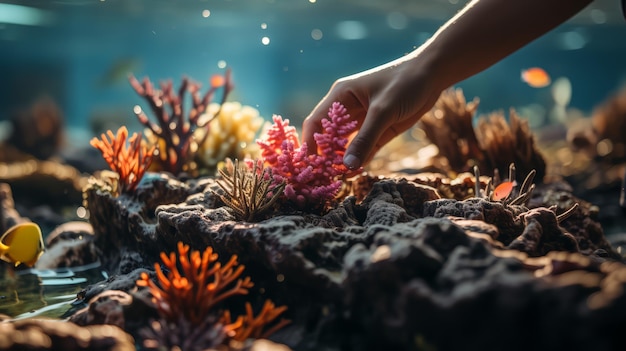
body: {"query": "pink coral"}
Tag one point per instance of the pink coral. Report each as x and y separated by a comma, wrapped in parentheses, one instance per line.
(311, 179)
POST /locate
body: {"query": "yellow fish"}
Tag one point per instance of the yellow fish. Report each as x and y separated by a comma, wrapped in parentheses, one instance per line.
(22, 243)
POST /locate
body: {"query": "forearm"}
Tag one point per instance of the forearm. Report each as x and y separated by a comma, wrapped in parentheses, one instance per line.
(486, 31)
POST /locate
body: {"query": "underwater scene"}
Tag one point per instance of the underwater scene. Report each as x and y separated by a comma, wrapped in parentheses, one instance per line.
(157, 193)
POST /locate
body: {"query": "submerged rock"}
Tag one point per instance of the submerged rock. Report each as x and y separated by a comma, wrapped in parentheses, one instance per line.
(69, 245)
(44, 334)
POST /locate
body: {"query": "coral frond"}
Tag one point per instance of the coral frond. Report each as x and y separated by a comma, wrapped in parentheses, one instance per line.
(129, 160)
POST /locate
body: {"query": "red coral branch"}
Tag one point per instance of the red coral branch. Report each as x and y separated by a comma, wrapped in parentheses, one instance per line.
(311, 179)
(130, 161)
(197, 286)
(171, 127)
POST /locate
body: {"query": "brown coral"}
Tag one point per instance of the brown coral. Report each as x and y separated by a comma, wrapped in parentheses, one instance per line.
(37, 131)
(493, 144)
(448, 125)
(174, 132)
(509, 142)
(130, 161)
(609, 126)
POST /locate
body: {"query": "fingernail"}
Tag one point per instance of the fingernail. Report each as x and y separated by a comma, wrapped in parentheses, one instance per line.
(351, 161)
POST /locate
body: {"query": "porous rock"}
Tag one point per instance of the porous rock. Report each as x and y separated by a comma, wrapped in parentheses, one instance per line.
(494, 213)
(126, 221)
(436, 282)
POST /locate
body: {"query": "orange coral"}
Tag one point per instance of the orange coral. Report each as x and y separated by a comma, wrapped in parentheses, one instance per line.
(129, 162)
(197, 283)
(193, 291)
(249, 326)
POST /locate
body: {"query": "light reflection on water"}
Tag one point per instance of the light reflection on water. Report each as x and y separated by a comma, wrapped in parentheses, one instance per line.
(44, 293)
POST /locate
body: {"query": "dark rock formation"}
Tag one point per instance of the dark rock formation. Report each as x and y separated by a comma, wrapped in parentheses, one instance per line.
(402, 269)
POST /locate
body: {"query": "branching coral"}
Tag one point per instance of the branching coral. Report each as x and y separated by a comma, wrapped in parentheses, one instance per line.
(175, 132)
(195, 289)
(130, 161)
(191, 291)
(493, 144)
(311, 179)
(231, 134)
(249, 188)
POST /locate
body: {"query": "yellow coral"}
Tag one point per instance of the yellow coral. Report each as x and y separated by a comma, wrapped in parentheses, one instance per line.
(231, 134)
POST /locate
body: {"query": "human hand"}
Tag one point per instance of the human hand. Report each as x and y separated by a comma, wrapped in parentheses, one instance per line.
(386, 101)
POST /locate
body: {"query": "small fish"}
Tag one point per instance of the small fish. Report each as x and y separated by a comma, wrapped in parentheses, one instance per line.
(502, 191)
(217, 81)
(22, 243)
(118, 71)
(536, 77)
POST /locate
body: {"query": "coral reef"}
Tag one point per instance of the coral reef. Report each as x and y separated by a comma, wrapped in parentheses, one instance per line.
(231, 134)
(311, 179)
(130, 161)
(174, 133)
(447, 259)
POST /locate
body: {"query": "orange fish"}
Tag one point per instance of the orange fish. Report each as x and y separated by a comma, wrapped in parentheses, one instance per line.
(217, 81)
(502, 191)
(536, 77)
